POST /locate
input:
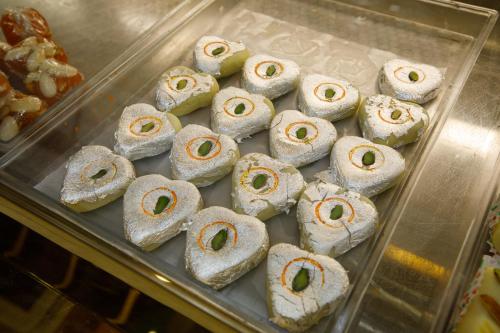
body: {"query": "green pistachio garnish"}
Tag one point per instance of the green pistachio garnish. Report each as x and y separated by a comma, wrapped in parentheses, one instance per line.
(181, 84)
(301, 280)
(413, 76)
(99, 174)
(239, 108)
(271, 70)
(368, 158)
(395, 114)
(329, 93)
(205, 148)
(259, 181)
(301, 133)
(218, 51)
(161, 204)
(491, 305)
(147, 127)
(336, 212)
(219, 240)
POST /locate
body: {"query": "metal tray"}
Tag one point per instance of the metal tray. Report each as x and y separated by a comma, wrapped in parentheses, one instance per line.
(351, 40)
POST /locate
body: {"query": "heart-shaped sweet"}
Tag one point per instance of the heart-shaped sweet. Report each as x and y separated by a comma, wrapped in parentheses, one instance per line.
(221, 245)
(181, 90)
(270, 76)
(239, 114)
(363, 166)
(333, 220)
(327, 97)
(155, 207)
(407, 81)
(95, 177)
(298, 139)
(302, 287)
(201, 156)
(264, 187)
(219, 57)
(143, 131)
(390, 122)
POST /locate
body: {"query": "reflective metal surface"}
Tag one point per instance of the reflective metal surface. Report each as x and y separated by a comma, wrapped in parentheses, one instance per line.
(411, 287)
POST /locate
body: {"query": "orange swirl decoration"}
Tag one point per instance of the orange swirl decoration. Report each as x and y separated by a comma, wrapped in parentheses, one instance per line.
(307, 138)
(192, 82)
(361, 166)
(277, 65)
(255, 171)
(215, 45)
(144, 120)
(421, 74)
(228, 225)
(337, 199)
(171, 206)
(336, 97)
(231, 112)
(214, 152)
(310, 261)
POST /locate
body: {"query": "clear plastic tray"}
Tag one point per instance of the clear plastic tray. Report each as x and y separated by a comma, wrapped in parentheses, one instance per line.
(340, 39)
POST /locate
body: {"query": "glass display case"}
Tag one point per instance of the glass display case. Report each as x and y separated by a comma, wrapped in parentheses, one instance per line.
(404, 278)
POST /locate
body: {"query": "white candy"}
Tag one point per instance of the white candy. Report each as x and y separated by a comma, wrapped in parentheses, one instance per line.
(95, 177)
(347, 169)
(378, 122)
(394, 80)
(312, 99)
(219, 57)
(256, 80)
(322, 235)
(198, 91)
(245, 246)
(144, 131)
(148, 228)
(286, 146)
(227, 119)
(294, 310)
(281, 190)
(202, 170)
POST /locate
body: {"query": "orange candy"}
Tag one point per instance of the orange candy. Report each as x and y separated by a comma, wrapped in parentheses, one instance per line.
(22, 22)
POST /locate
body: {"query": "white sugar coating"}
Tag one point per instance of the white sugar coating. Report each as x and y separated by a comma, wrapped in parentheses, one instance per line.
(167, 97)
(286, 147)
(320, 234)
(254, 77)
(377, 124)
(256, 117)
(394, 81)
(313, 102)
(134, 144)
(282, 190)
(78, 185)
(210, 64)
(202, 171)
(297, 311)
(245, 247)
(348, 152)
(148, 230)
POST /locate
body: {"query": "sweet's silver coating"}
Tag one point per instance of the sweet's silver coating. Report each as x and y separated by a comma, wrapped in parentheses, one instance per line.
(255, 80)
(135, 144)
(394, 81)
(378, 126)
(314, 103)
(256, 117)
(348, 171)
(281, 191)
(322, 235)
(287, 147)
(142, 226)
(246, 246)
(83, 193)
(202, 170)
(297, 311)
